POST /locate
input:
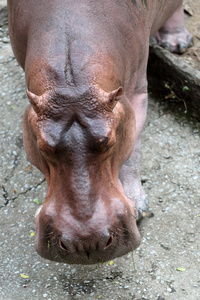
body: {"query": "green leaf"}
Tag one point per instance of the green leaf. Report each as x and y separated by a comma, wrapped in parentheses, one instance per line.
(37, 201)
(24, 276)
(111, 263)
(181, 269)
(185, 88)
(100, 296)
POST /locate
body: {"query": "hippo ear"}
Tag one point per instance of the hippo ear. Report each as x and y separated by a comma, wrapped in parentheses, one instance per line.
(36, 101)
(111, 99)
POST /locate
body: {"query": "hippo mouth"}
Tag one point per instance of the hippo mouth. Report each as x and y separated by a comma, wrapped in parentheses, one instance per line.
(98, 244)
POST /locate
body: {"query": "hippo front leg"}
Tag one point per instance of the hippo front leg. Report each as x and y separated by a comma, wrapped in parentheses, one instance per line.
(173, 36)
(130, 171)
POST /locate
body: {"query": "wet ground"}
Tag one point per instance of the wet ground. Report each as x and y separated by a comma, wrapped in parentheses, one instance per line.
(168, 260)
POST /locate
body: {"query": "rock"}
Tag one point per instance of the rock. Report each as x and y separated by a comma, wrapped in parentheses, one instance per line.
(168, 67)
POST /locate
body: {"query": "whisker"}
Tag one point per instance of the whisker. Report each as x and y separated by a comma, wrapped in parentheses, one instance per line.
(133, 216)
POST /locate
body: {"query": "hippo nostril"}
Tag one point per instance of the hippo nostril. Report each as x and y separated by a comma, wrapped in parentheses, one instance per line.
(109, 242)
(62, 246)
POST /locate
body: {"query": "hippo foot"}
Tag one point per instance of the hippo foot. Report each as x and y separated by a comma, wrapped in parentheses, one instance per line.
(140, 201)
(177, 41)
(134, 191)
(142, 208)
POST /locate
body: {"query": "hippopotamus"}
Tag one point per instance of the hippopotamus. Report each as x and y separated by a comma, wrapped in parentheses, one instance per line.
(85, 68)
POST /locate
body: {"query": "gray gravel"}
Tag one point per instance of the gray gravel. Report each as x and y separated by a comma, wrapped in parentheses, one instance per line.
(170, 235)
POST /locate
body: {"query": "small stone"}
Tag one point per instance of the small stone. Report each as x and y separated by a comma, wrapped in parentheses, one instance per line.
(5, 39)
(45, 295)
(166, 156)
(126, 287)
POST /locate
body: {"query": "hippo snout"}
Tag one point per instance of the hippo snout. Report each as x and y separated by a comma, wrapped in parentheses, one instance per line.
(105, 235)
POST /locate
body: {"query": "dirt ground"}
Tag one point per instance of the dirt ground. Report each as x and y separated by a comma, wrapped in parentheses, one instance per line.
(168, 259)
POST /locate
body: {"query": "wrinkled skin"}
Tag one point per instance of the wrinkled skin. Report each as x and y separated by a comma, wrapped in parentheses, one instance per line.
(85, 65)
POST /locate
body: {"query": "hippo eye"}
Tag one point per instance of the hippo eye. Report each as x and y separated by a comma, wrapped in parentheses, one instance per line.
(102, 144)
(99, 144)
(103, 141)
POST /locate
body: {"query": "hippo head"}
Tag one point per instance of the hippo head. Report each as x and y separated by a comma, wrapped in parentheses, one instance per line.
(79, 139)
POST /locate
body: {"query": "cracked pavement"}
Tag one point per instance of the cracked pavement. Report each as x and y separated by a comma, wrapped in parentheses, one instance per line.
(170, 235)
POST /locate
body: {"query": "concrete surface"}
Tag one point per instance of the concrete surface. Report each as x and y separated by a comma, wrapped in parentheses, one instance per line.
(170, 235)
